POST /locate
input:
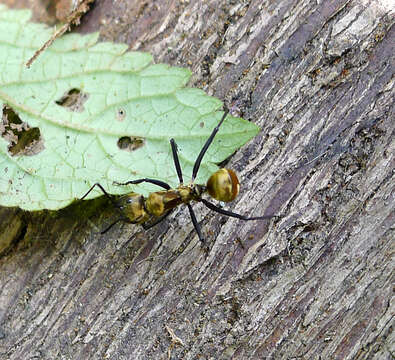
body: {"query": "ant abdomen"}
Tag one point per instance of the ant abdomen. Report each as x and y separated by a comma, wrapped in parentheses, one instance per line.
(223, 185)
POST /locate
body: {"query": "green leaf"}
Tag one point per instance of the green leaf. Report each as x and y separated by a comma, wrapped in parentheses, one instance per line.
(65, 118)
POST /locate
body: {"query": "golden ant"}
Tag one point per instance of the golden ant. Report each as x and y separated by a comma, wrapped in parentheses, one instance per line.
(134, 208)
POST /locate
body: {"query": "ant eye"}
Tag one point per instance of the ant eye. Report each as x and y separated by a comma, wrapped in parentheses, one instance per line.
(223, 185)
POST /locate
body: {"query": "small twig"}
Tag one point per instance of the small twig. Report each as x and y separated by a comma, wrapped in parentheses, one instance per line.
(72, 19)
(175, 340)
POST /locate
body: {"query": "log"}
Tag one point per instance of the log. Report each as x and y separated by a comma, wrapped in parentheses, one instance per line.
(317, 283)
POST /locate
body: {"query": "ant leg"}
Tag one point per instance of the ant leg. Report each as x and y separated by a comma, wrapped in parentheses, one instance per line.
(198, 161)
(151, 181)
(196, 224)
(111, 225)
(156, 222)
(232, 214)
(176, 160)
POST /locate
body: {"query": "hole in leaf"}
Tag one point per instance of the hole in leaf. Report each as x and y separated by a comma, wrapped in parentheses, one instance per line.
(129, 143)
(121, 114)
(73, 100)
(22, 139)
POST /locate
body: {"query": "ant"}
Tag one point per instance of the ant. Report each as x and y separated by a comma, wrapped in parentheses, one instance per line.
(134, 208)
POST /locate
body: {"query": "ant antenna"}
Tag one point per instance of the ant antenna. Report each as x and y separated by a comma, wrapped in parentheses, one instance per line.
(198, 161)
(139, 181)
(108, 196)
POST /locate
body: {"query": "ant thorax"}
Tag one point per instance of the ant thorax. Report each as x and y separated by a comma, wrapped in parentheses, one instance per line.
(160, 202)
(191, 192)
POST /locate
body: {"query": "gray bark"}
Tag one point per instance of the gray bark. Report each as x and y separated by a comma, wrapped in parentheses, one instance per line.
(318, 78)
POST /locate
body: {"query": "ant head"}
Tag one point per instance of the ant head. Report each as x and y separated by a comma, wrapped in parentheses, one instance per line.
(223, 185)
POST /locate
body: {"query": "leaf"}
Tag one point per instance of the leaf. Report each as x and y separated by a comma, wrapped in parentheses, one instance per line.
(66, 120)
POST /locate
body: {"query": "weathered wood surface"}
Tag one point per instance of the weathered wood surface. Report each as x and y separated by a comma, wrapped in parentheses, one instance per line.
(318, 78)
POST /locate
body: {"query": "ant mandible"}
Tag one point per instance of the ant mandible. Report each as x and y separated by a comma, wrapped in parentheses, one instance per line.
(134, 208)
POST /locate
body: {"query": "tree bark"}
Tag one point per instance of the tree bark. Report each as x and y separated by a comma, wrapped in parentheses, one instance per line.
(318, 78)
